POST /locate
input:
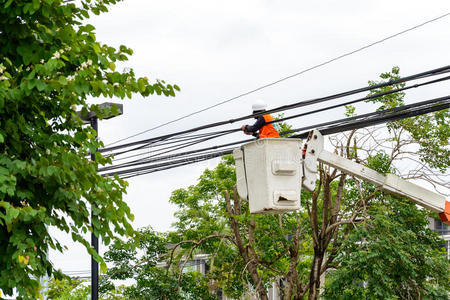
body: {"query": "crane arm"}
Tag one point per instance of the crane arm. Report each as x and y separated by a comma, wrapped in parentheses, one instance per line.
(389, 182)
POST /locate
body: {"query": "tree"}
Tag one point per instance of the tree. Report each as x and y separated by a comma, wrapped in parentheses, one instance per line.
(300, 247)
(266, 249)
(263, 249)
(393, 253)
(76, 289)
(429, 132)
(67, 289)
(50, 64)
(152, 281)
(380, 259)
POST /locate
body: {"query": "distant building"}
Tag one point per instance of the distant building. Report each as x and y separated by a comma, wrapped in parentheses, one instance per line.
(444, 231)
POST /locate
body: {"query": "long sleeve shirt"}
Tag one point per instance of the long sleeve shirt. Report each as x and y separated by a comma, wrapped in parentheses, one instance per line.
(260, 122)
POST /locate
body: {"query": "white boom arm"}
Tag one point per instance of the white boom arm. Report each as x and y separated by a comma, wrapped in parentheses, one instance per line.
(390, 183)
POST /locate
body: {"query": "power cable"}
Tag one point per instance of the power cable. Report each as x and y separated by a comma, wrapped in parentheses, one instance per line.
(180, 146)
(287, 107)
(330, 127)
(177, 155)
(326, 128)
(303, 114)
(175, 139)
(161, 142)
(378, 117)
(285, 78)
(167, 167)
(149, 158)
(362, 99)
(175, 162)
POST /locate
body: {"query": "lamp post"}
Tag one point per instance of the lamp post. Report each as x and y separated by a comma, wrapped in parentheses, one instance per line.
(92, 119)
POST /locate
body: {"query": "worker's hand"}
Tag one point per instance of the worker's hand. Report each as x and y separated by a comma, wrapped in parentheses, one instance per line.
(243, 128)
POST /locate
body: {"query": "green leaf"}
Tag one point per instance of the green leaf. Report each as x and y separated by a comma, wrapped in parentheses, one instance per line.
(96, 48)
(11, 214)
(103, 267)
(62, 80)
(36, 4)
(40, 85)
(141, 84)
(4, 171)
(88, 28)
(8, 3)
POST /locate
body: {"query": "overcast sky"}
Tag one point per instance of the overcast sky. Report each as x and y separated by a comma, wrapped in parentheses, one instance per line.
(215, 50)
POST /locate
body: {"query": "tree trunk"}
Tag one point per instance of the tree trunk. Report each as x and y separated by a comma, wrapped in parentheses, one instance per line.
(314, 276)
(246, 251)
(257, 281)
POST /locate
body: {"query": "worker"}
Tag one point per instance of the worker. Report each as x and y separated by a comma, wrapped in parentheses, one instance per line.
(262, 124)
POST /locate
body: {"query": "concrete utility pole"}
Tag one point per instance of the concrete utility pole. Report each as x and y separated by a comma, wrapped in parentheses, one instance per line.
(94, 238)
(92, 119)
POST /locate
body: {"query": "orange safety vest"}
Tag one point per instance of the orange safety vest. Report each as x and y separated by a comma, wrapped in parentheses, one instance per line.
(268, 131)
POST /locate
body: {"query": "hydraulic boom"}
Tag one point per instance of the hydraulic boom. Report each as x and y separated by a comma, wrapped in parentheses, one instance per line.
(389, 183)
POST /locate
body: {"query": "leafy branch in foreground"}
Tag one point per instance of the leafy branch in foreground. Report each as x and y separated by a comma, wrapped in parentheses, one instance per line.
(50, 64)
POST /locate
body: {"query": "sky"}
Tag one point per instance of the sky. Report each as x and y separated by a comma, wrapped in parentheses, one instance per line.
(215, 50)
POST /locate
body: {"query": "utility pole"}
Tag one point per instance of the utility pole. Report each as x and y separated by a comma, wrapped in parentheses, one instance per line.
(92, 119)
(94, 238)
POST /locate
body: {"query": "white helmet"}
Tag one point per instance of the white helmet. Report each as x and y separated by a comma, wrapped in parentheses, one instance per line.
(259, 105)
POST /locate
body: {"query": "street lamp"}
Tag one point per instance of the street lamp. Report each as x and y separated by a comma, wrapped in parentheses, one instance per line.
(91, 118)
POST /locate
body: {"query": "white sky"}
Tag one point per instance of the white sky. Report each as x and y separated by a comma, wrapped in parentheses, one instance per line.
(215, 50)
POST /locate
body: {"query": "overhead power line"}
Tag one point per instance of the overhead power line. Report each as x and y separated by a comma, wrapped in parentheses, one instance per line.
(326, 128)
(157, 156)
(165, 149)
(161, 154)
(199, 138)
(393, 91)
(285, 78)
(378, 117)
(167, 161)
(149, 141)
(175, 140)
(285, 107)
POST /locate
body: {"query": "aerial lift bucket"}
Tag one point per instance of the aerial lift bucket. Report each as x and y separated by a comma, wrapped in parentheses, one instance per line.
(269, 173)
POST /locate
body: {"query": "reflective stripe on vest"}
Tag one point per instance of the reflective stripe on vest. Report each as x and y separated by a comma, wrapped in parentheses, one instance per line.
(268, 131)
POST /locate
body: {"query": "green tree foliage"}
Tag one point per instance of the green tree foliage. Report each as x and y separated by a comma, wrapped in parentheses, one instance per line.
(67, 289)
(282, 127)
(391, 255)
(50, 63)
(138, 259)
(244, 248)
(399, 256)
(77, 289)
(390, 100)
(430, 132)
